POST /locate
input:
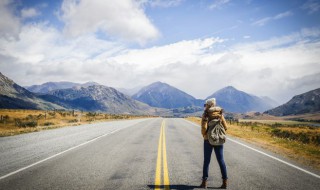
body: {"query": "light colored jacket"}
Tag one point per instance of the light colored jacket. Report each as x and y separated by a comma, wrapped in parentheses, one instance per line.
(210, 114)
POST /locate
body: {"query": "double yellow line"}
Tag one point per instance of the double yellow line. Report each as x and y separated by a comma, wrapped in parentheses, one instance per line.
(162, 155)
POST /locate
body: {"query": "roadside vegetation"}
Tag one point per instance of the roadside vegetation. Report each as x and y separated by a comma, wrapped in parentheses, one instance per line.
(13, 122)
(296, 140)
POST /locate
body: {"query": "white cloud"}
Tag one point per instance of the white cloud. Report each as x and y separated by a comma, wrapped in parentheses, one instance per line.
(271, 67)
(311, 6)
(9, 23)
(186, 52)
(283, 15)
(29, 13)
(278, 67)
(302, 36)
(264, 21)
(41, 53)
(217, 4)
(123, 19)
(310, 32)
(164, 3)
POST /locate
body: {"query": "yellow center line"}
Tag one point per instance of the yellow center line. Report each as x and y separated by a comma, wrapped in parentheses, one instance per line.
(158, 170)
(162, 152)
(166, 181)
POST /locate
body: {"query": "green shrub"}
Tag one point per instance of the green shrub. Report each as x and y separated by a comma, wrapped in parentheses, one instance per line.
(48, 123)
(52, 114)
(73, 121)
(29, 117)
(4, 119)
(275, 132)
(316, 139)
(276, 125)
(304, 138)
(301, 137)
(63, 114)
(91, 114)
(24, 124)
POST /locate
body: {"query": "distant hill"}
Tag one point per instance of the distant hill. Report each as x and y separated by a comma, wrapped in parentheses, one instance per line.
(308, 102)
(187, 111)
(86, 97)
(162, 95)
(49, 86)
(233, 100)
(94, 97)
(13, 96)
(97, 98)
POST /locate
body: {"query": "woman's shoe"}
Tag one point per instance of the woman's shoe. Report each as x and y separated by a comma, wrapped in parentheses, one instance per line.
(204, 184)
(224, 184)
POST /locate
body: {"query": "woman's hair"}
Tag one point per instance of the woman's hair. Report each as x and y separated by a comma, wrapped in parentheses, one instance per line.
(211, 102)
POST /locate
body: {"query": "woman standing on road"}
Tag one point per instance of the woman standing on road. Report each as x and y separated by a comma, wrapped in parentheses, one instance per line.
(212, 112)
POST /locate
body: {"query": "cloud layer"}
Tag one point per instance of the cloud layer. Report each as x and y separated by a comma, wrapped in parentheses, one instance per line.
(279, 67)
(9, 23)
(123, 19)
(264, 21)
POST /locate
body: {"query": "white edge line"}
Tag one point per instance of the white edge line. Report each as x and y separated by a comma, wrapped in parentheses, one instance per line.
(55, 155)
(275, 158)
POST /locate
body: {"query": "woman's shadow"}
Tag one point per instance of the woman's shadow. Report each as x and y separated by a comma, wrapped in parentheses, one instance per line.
(178, 187)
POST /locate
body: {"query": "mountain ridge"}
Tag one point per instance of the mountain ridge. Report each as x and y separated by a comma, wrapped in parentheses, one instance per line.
(85, 98)
(97, 98)
(234, 100)
(150, 99)
(163, 95)
(49, 86)
(308, 102)
(14, 96)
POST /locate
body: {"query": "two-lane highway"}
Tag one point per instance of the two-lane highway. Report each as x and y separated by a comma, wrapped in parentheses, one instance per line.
(138, 154)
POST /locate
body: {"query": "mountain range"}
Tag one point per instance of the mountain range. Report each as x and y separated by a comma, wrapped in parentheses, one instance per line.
(157, 98)
(162, 95)
(90, 98)
(96, 98)
(13, 96)
(308, 102)
(49, 86)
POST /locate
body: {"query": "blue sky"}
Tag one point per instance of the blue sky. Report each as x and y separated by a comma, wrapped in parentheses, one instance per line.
(267, 48)
(177, 20)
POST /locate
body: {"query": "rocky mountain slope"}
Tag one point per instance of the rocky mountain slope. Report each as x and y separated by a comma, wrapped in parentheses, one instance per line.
(86, 97)
(162, 95)
(233, 100)
(13, 96)
(49, 86)
(93, 97)
(308, 102)
(97, 98)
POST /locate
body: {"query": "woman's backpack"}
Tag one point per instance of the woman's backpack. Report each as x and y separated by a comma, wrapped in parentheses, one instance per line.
(216, 133)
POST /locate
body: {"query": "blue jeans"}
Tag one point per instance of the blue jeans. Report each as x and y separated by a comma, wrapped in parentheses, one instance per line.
(218, 150)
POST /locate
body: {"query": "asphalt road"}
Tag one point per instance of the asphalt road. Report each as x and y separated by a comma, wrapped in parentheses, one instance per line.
(139, 154)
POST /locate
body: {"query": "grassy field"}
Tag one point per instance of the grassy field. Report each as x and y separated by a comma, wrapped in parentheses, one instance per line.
(13, 122)
(282, 122)
(301, 143)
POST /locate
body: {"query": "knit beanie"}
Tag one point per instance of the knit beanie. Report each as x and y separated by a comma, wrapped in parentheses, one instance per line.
(211, 102)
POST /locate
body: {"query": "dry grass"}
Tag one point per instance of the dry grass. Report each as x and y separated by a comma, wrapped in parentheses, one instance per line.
(13, 122)
(261, 135)
(274, 121)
